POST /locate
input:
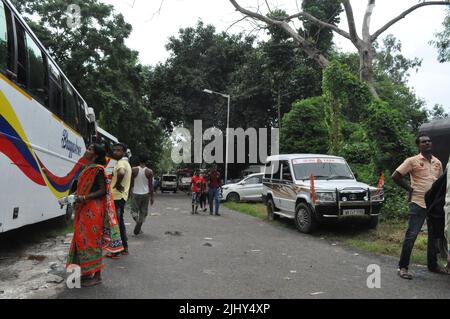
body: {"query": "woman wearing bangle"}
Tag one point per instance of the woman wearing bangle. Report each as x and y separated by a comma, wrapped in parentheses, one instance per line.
(95, 223)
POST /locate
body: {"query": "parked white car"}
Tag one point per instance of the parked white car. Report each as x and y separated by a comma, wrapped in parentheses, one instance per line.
(249, 189)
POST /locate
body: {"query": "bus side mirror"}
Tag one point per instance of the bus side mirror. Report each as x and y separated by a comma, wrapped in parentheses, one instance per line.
(356, 176)
(91, 115)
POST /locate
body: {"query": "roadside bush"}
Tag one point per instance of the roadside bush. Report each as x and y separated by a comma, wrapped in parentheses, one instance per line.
(304, 129)
(356, 148)
(395, 207)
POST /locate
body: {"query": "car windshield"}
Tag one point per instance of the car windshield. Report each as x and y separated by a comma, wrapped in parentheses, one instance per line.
(169, 178)
(322, 169)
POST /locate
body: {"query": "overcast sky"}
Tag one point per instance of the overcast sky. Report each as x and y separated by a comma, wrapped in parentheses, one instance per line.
(152, 27)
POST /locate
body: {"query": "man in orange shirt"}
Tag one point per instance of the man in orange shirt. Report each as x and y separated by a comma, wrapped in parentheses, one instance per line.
(197, 188)
(423, 169)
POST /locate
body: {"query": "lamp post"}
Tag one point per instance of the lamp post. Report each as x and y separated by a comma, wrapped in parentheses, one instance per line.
(228, 126)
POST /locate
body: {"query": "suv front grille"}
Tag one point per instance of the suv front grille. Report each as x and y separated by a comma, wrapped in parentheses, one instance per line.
(353, 196)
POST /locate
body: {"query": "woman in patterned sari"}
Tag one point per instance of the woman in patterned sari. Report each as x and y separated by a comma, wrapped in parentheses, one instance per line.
(96, 227)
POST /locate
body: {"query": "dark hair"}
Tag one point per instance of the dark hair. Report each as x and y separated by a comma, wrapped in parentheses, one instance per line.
(123, 146)
(100, 151)
(419, 137)
(142, 160)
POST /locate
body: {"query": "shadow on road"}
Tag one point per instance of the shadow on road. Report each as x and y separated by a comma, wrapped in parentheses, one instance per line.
(22, 238)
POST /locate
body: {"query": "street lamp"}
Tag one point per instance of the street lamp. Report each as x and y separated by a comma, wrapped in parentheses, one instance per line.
(228, 126)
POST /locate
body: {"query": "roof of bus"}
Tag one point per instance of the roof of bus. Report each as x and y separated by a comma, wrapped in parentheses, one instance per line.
(287, 157)
(43, 48)
(108, 135)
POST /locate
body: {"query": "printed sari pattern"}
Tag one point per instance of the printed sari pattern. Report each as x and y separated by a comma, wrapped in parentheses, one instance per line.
(96, 226)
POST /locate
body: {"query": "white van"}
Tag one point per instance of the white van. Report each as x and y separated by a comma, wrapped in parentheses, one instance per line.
(169, 183)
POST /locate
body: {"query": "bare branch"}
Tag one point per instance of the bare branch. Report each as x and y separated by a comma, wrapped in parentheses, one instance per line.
(367, 20)
(318, 22)
(236, 22)
(255, 15)
(157, 12)
(351, 23)
(307, 46)
(268, 7)
(404, 14)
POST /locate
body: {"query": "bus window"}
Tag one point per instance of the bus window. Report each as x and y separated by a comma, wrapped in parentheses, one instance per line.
(3, 39)
(55, 90)
(70, 106)
(37, 87)
(83, 122)
(21, 55)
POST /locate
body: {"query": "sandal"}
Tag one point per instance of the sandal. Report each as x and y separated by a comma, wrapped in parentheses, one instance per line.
(113, 256)
(91, 283)
(441, 270)
(403, 273)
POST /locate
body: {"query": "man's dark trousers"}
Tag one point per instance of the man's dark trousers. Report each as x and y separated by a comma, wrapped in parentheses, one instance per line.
(120, 211)
(417, 217)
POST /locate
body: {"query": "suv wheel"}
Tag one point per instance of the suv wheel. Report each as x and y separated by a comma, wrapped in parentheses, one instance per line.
(271, 210)
(304, 219)
(234, 197)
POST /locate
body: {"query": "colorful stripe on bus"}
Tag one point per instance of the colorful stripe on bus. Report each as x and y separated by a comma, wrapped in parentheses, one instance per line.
(16, 146)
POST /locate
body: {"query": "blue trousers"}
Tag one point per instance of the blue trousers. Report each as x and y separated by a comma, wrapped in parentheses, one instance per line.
(417, 217)
(214, 196)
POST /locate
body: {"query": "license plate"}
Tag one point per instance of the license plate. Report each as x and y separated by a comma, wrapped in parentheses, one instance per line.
(354, 212)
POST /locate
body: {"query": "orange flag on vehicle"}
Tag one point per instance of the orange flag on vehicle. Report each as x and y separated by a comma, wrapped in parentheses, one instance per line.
(380, 183)
(313, 190)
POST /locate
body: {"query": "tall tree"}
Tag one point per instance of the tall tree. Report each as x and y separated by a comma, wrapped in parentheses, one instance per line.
(442, 42)
(364, 44)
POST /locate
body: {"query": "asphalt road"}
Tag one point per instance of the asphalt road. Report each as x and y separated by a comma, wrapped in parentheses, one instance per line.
(181, 256)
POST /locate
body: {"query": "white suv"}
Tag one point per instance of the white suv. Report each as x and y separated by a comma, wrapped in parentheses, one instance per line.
(288, 191)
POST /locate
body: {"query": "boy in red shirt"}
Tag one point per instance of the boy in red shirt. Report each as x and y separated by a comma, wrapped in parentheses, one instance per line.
(196, 187)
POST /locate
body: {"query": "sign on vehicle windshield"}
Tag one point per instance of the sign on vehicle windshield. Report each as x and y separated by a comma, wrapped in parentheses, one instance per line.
(318, 161)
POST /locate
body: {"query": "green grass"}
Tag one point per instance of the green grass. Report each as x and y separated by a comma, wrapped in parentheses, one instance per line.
(387, 239)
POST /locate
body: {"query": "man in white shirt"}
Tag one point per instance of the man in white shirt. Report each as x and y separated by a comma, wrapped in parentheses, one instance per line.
(142, 190)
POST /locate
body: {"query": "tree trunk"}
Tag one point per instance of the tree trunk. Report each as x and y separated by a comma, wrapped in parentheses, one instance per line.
(366, 55)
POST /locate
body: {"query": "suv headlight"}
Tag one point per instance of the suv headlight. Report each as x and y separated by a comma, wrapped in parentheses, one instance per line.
(377, 195)
(326, 197)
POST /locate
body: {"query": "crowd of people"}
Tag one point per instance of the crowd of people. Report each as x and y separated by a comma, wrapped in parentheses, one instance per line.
(204, 187)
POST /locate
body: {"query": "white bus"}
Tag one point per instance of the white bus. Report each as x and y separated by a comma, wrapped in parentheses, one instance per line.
(45, 126)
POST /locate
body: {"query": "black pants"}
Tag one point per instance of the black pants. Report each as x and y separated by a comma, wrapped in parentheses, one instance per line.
(120, 211)
(203, 200)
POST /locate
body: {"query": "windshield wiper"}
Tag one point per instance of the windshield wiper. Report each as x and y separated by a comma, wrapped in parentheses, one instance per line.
(338, 177)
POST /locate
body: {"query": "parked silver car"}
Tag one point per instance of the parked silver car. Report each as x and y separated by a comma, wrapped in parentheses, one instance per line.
(249, 189)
